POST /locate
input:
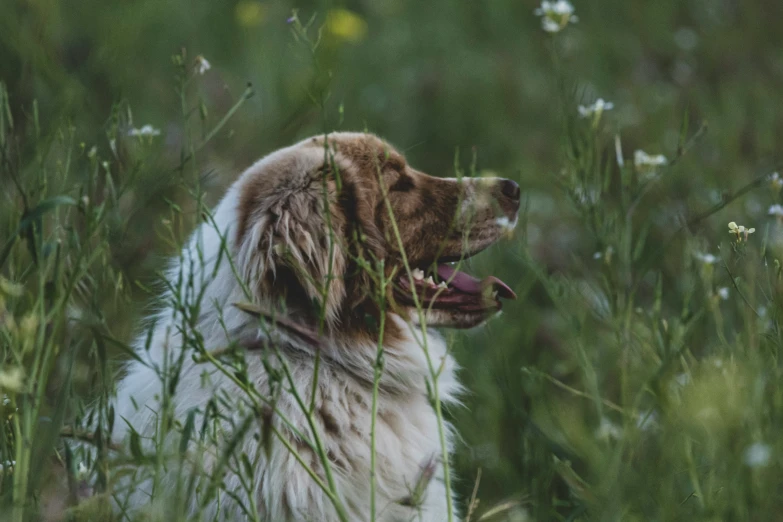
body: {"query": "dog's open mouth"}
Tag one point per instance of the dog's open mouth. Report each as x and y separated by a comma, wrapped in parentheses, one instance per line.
(442, 286)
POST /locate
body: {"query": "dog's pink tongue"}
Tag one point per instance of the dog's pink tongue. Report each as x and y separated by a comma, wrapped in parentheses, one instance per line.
(472, 285)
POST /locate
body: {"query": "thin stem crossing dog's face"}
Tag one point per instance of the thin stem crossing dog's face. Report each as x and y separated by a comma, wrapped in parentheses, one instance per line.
(342, 231)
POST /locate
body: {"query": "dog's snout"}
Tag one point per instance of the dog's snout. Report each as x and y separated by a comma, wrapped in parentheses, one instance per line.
(510, 189)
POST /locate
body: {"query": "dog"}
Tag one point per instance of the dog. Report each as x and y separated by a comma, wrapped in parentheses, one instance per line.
(323, 271)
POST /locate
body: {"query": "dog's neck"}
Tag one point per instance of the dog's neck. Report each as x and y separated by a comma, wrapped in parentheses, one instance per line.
(402, 349)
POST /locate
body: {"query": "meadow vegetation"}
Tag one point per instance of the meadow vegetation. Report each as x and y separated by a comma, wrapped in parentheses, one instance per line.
(637, 377)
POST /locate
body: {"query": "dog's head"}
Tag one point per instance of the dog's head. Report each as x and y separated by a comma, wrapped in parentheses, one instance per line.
(344, 230)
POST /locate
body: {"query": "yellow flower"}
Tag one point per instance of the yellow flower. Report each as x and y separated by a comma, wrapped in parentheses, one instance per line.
(29, 325)
(11, 379)
(346, 25)
(250, 14)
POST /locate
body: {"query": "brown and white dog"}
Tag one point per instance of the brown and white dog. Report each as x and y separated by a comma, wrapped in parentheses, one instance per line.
(319, 233)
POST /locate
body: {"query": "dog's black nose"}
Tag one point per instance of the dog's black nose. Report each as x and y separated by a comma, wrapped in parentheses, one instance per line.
(510, 189)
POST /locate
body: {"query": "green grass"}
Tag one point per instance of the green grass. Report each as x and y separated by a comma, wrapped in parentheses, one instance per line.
(632, 380)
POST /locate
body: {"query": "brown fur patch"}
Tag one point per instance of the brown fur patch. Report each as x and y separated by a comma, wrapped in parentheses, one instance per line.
(377, 209)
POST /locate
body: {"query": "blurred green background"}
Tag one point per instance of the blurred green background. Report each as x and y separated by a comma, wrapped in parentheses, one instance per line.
(438, 78)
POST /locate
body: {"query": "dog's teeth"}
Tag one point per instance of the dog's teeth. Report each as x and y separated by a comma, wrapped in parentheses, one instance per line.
(418, 274)
(429, 281)
(495, 294)
(443, 285)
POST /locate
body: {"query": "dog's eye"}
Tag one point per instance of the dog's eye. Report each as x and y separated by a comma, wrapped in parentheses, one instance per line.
(403, 183)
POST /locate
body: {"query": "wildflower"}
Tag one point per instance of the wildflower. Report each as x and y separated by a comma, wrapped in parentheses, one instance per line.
(606, 254)
(740, 231)
(250, 14)
(202, 65)
(146, 130)
(555, 16)
(723, 293)
(776, 181)
(776, 210)
(11, 379)
(346, 25)
(644, 161)
(707, 259)
(608, 430)
(757, 455)
(81, 471)
(595, 110)
(585, 111)
(29, 325)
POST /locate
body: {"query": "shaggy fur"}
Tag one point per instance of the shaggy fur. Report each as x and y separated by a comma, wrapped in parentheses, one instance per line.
(295, 235)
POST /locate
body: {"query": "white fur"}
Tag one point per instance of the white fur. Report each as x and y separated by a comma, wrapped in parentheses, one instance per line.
(407, 427)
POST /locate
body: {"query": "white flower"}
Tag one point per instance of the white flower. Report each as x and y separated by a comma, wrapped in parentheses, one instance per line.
(556, 15)
(202, 65)
(776, 210)
(560, 8)
(608, 430)
(81, 471)
(606, 254)
(707, 259)
(643, 160)
(757, 455)
(585, 111)
(723, 293)
(776, 181)
(740, 231)
(146, 130)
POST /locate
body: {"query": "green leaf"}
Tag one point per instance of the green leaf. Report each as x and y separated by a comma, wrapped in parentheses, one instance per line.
(135, 445)
(187, 431)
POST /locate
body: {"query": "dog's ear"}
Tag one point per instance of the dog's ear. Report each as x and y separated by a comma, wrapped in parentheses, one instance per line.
(292, 245)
